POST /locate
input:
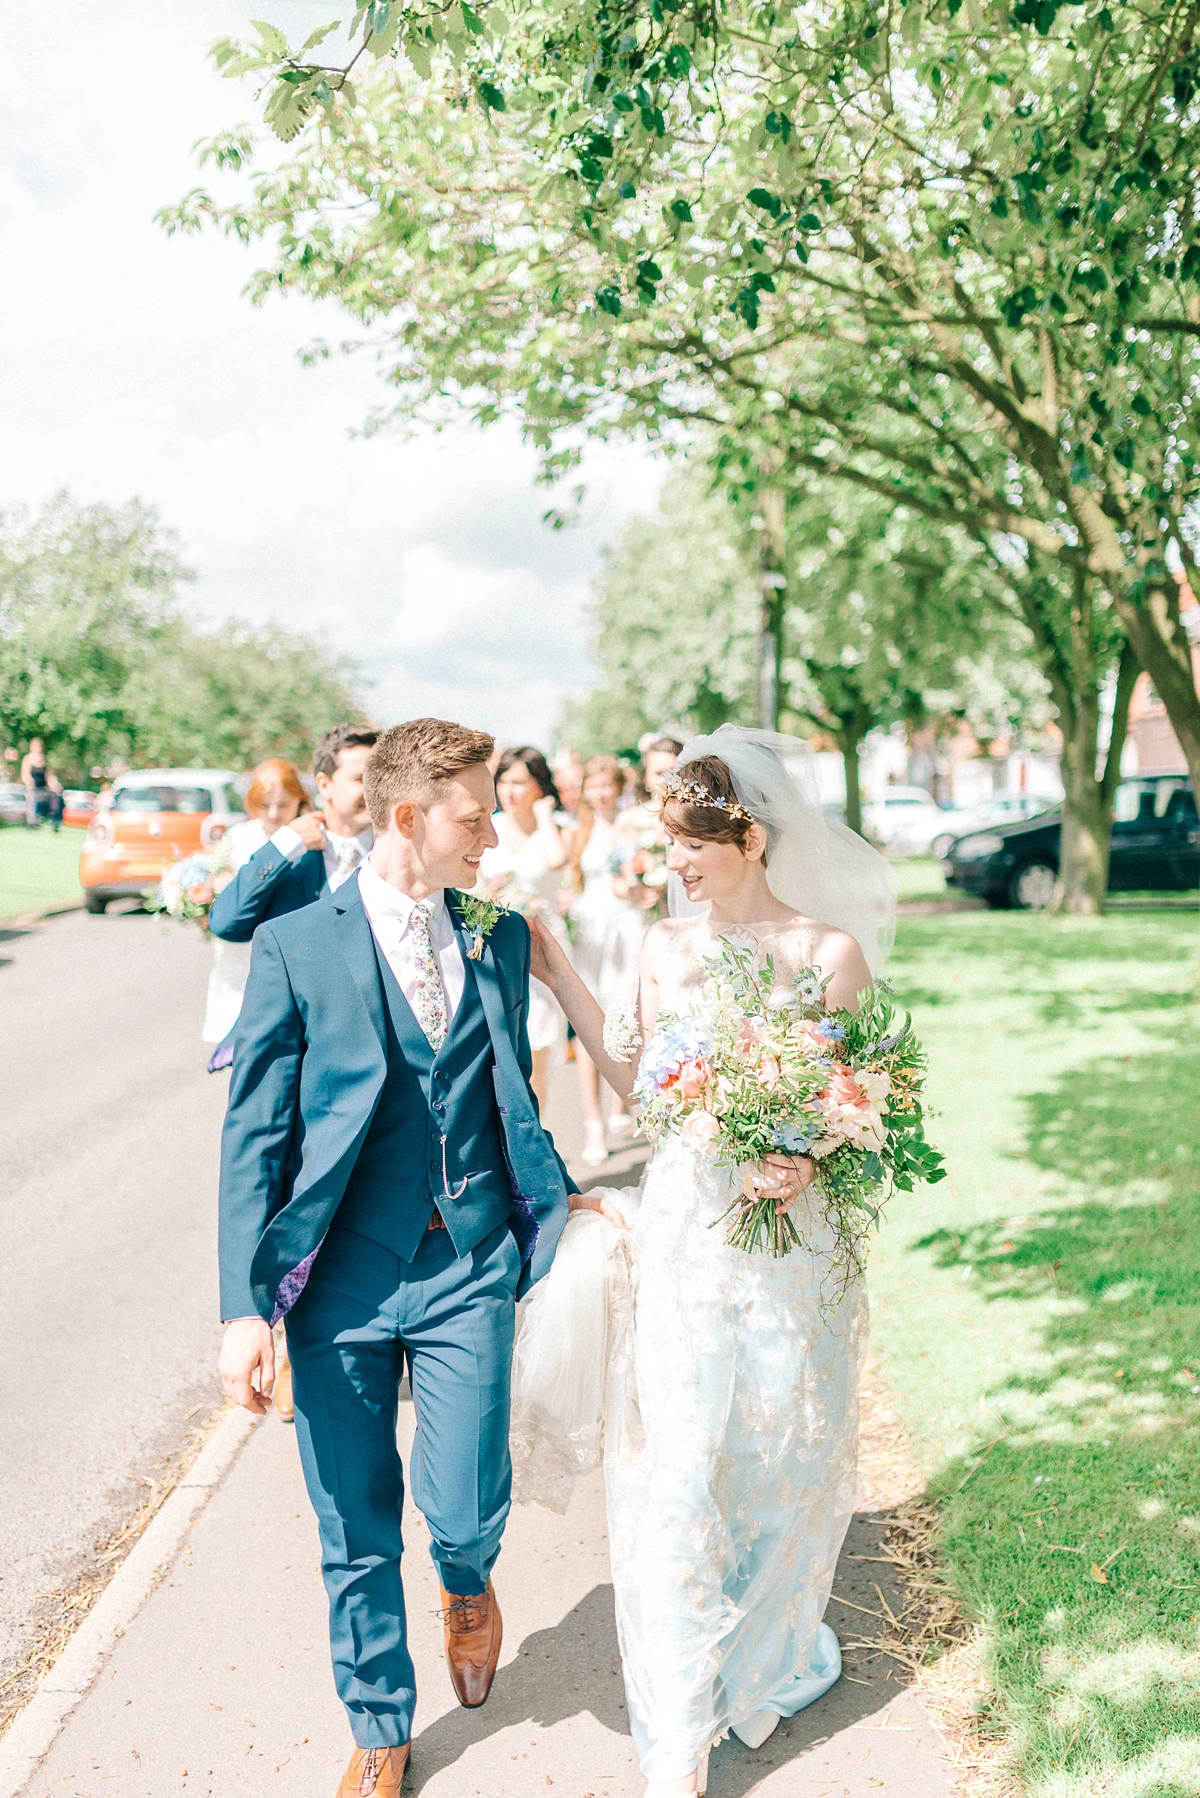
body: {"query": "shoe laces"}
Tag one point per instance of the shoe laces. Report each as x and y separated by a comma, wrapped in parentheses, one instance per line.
(372, 1767)
(458, 1615)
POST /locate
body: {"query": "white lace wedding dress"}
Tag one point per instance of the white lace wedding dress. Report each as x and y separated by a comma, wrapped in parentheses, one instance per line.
(721, 1390)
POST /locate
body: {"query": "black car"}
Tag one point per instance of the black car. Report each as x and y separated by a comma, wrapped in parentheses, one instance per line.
(1155, 847)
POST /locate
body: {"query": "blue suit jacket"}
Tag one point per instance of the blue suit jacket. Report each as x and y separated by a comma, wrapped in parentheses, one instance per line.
(309, 1067)
(268, 886)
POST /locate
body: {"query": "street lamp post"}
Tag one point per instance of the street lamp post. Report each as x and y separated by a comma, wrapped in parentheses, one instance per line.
(773, 586)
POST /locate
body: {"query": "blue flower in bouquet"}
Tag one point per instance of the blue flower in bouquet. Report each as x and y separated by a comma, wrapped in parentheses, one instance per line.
(832, 1029)
(792, 1140)
(682, 1040)
(194, 871)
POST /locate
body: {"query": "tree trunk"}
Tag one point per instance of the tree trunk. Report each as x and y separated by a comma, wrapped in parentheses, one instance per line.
(1161, 645)
(848, 736)
(1087, 816)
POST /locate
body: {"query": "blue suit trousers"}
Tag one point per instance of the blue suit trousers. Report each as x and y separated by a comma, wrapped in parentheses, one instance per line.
(362, 1313)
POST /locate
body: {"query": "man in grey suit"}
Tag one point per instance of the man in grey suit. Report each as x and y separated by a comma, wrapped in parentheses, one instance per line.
(387, 1185)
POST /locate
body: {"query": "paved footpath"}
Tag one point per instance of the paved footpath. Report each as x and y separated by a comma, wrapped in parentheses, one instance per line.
(221, 1685)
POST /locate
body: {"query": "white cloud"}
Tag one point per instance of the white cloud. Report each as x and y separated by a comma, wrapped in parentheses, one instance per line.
(130, 364)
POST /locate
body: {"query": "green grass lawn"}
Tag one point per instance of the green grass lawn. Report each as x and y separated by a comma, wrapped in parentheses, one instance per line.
(37, 868)
(921, 877)
(1038, 1315)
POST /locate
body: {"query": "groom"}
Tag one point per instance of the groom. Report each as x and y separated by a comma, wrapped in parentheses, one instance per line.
(386, 1183)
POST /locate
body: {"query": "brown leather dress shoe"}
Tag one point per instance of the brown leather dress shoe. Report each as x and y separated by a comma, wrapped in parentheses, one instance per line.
(473, 1631)
(284, 1408)
(374, 1773)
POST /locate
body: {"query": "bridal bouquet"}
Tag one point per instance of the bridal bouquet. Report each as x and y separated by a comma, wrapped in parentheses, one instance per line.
(187, 888)
(761, 1067)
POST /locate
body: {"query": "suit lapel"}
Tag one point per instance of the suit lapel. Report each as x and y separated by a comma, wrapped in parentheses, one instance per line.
(358, 947)
(487, 984)
(313, 869)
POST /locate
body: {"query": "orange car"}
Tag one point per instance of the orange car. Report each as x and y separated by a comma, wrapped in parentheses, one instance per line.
(150, 819)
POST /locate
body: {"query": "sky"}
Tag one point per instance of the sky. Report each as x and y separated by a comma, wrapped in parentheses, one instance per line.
(131, 365)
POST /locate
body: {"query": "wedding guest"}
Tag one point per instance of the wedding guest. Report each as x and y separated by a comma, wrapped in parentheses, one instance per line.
(313, 854)
(642, 852)
(274, 798)
(568, 778)
(525, 869)
(303, 857)
(657, 758)
(606, 931)
(39, 783)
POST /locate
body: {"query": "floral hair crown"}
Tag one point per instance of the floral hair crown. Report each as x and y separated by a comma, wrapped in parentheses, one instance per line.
(675, 786)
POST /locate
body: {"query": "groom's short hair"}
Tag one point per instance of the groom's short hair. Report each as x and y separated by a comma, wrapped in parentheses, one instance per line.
(411, 761)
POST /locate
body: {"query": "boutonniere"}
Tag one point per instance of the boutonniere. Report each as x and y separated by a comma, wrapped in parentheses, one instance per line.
(480, 916)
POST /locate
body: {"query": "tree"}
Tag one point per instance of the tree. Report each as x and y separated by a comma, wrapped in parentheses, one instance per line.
(882, 621)
(676, 623)
(85, 590)
(888, 621)
(98, 658)
(951, 259)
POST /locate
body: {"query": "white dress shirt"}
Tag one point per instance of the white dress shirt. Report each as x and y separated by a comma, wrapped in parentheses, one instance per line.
(389, 913)
(340, 860)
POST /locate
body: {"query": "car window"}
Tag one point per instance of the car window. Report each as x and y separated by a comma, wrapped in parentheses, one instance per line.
(1170, 797)
(162, 799)
(1128, 802)
(1141, 801)
(233, 800)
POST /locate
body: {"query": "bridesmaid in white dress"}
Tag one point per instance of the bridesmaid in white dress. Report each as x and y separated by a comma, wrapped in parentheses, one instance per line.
(275, 797)
(727, 1395)
(606, 928)
(525, 868)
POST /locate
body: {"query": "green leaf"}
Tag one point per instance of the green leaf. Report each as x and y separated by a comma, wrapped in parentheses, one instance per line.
(768, 202)
(491, 96)
(608, 298)
(472, 19)
(272, 39)
(318, 36)
(681, 210)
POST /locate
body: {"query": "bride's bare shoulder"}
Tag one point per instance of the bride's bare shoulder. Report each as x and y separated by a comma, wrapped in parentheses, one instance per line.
(668, 936)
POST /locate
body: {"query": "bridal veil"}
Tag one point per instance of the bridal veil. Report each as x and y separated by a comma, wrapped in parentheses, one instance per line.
(815, 863)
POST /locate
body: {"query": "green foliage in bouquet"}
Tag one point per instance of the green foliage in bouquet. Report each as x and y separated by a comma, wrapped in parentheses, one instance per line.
(762, 1067)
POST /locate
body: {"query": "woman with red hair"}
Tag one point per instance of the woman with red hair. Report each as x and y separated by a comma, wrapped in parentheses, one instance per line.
(276, 796)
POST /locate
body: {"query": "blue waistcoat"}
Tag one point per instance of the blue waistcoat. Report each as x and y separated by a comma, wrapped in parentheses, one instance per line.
(398, 1176)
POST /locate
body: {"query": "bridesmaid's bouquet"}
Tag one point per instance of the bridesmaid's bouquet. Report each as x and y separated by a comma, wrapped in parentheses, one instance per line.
(187, 888)
(762, 1067)
(641, 862)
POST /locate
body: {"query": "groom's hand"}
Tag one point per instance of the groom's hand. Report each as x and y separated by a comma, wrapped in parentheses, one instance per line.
(248, 1347)
(601, 1202)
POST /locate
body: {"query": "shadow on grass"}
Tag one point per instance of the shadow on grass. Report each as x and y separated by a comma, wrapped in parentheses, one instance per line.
(1075, 1534)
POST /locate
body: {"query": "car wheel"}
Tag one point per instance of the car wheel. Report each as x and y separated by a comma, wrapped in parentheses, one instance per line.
(94, 902)
(1031, 888)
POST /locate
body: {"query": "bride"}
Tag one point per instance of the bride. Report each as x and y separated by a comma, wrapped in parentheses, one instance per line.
(724, 1384)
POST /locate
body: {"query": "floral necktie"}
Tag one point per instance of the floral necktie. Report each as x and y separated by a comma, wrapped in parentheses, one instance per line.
(429, 1001)
(349, 854)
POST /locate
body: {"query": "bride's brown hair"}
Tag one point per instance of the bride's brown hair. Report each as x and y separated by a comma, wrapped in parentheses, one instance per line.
(704, 805)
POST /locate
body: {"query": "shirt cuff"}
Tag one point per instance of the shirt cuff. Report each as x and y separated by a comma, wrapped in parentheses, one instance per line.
(289, 843)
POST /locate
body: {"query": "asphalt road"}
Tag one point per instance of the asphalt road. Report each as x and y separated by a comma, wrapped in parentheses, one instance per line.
(108, 1161)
